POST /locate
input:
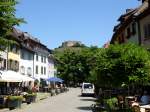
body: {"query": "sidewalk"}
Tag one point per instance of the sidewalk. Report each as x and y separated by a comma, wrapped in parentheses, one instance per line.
(40, 96)
(71, 101)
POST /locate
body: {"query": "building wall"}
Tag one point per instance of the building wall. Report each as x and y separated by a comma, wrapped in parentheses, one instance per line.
(3, 54)
(40, 64)
(3, 60)
(133, 38)
(26, 63)
(143, 22)
(14, 58)
(51, 68)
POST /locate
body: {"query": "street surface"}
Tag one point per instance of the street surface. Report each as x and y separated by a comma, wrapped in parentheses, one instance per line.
(64, 102)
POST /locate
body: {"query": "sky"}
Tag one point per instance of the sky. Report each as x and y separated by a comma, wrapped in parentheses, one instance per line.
(56, 21)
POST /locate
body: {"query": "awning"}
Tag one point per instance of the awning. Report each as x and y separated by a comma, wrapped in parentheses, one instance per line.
(54, 79)
(11, 76)
(26, 78)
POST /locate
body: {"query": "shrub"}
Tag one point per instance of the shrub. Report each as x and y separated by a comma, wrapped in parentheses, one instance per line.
(15, 98)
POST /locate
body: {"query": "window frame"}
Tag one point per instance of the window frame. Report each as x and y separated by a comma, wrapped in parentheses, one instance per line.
(41, 70)
(36, 69)
(45, 70)
(146, 31)
(37, 57)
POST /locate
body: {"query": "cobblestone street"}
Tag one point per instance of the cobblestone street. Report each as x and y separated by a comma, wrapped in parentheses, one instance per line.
(65, 102)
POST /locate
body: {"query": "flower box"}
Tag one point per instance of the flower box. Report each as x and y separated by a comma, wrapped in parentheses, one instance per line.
(30, 98)
(14, 102)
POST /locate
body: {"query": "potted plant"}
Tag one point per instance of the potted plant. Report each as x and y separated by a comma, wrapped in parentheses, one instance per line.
(2, 102)
(53, 92)
(14, 102)
(30, 98)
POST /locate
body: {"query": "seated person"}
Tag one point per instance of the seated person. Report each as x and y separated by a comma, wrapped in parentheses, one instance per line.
(136, 101)
(145, 99)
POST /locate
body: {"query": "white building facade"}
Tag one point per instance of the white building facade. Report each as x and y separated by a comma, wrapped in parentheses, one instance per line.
(26, 65)
(3, 60)
(41, 63)
(51, 67)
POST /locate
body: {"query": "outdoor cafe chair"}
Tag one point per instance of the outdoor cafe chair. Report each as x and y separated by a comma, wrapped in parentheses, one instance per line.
(121, 101)
(136, 108)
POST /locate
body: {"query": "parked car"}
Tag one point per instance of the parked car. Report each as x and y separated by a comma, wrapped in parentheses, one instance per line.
(88, 89)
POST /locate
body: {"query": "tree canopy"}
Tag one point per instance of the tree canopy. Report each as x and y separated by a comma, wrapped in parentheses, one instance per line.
(118, 64)
(127, 63)
(74, 64)
(7, 19)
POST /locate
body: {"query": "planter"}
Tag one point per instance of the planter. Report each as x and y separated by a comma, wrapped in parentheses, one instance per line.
(53, 92)
(57, 91)
(34, 98)
(14, 102)
(30, 98)
(2, 102)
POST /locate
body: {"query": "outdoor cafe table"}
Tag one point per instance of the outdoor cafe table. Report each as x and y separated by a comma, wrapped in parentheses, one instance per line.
(145, 108)
(129, 97)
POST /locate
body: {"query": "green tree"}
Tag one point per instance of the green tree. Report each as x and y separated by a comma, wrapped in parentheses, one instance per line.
(127, 63)
(74, 64)
(7, 19)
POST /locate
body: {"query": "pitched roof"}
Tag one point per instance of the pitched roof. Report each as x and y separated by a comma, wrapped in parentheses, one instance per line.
(130, 15)
(142, 8)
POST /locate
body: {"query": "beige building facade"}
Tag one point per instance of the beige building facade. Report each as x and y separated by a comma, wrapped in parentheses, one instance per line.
(134, 26)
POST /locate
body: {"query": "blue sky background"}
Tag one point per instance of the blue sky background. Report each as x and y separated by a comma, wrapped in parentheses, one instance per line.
(56, 21)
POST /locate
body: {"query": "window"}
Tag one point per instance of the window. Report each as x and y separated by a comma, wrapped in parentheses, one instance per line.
(22, 55)
(41, 70)
(45, 70)
(9, 64)
(5, 63)
(2, 47)
(22, 70)
(133, 28)
(88, 86)
(14, 49)
(36, 69)
(11, 48)
(17, 49)
(42, 59)
(1, 64)
(29, 56)
(147, 30)
(29, 71)
(16, 68)
(37, 58)
(13, 65)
